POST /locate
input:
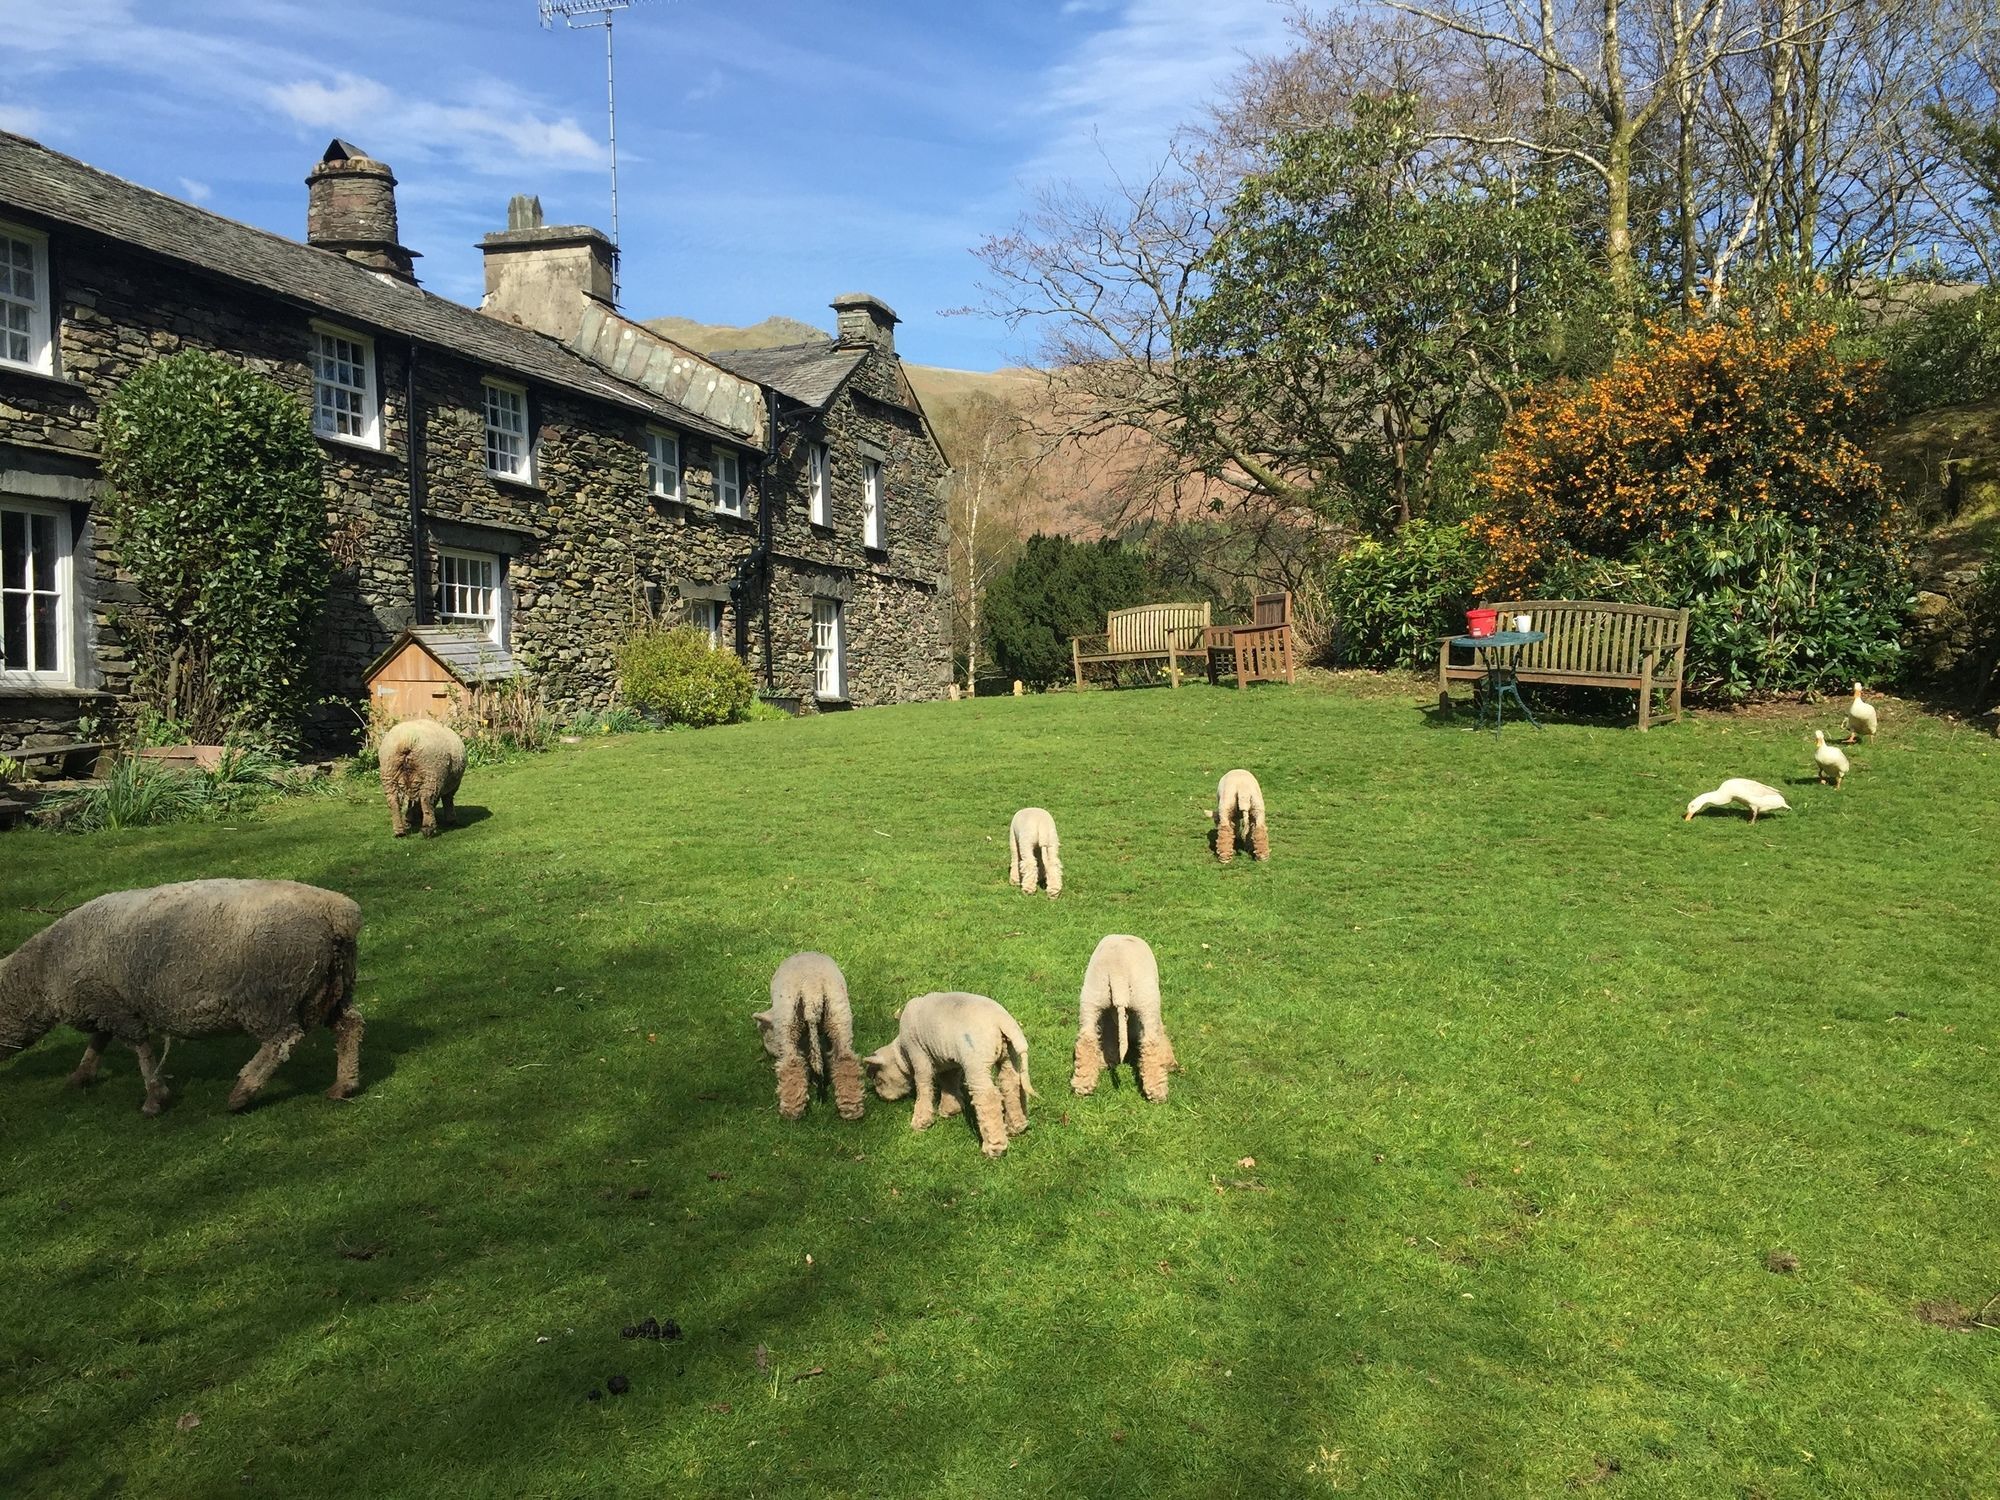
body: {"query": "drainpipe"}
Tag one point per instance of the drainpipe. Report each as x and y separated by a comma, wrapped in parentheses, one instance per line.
(419, 583)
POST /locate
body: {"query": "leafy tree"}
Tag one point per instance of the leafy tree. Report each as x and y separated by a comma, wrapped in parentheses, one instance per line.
(1357, 311)
(216, 501)
(1390, 600)
(1057, 589)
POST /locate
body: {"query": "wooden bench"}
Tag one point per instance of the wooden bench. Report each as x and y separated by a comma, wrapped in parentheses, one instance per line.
(1258, 652)
(1589, 644)
(1144, 633)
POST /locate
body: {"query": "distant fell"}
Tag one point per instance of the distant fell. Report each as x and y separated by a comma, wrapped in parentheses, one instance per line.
(703, 338)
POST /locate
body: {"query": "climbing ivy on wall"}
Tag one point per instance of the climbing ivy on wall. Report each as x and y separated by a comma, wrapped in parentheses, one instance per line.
(216, 507)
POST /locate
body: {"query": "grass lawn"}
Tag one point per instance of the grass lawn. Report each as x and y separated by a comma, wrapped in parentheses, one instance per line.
(1535, 1077)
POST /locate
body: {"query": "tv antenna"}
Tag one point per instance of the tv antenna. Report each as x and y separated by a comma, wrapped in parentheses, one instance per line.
(592, 15)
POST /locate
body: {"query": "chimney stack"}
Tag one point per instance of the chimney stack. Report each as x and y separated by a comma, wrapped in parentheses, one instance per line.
(351, 210)
(537, 274)
(864, 322)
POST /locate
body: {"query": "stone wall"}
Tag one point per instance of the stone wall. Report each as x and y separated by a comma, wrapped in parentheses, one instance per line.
(588, 551)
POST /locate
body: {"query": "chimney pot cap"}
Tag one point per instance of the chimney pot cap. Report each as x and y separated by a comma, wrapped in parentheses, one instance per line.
(865, 300)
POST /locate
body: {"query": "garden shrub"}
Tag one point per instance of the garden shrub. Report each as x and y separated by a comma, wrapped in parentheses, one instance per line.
(1056, 589)
(214, 494)
(1391, 599)
(1945, 354)
(1717, 468)
(677, 677)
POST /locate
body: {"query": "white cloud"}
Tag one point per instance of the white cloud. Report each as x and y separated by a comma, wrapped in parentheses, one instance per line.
(708, 88)
(486, 128)
(1124, 89)
(197, 192)
(21, 119)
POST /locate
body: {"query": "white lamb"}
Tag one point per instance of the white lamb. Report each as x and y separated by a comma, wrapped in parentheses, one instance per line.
(809, 1029)
(955, 1038)
(1239, 817)
(1124, 979)
(422, 764)
(1037, 854)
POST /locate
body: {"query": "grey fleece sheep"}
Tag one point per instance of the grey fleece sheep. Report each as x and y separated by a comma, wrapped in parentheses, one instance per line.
(951, 1039)
(202, 958)
(1036, 854)
(809, 1029)
(422, 763)
(1123, 979)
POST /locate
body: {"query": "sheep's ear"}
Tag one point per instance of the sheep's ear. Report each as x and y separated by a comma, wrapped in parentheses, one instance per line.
(764, 1019)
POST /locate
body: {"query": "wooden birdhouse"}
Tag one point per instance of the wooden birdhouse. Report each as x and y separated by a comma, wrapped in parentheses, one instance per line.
(434, 671)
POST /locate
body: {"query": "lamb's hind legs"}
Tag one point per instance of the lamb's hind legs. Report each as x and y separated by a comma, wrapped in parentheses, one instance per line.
(850, 1093)
(86, 1071)
(347, 1029)
(792, 1087)
(257, 1072)
(1013, 1098)
(984, 1101)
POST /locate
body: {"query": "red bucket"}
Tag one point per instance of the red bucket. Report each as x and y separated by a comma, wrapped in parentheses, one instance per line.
(1481, 621)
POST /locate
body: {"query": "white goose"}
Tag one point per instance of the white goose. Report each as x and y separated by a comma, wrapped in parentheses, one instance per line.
(1829, 760)
(1743, 792)
(1860, 717)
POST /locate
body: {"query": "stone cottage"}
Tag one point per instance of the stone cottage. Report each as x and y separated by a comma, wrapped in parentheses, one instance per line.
(541, 471)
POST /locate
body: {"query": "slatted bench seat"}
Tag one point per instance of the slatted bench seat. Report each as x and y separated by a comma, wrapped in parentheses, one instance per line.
(1145, 633)
(1589, 643)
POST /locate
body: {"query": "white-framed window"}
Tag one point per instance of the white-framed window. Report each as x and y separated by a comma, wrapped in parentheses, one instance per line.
(475, 593)
(663, 464)
(819, 476)
(37, 598)
(871, 502)
(728, 483)
(509, 454)
(706, 616)
(24, 300)
(829, 649)
(344, 403)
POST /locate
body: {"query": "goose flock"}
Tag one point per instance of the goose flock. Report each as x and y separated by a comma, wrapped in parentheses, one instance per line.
(1828, 761)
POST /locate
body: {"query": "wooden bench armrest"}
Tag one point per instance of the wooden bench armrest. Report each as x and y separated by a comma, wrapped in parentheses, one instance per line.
(1092, 645)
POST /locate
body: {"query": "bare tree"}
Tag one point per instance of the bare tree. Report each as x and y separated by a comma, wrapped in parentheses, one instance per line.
(993, 462)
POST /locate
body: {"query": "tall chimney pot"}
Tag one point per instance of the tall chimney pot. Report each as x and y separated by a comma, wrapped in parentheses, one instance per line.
(351, 210)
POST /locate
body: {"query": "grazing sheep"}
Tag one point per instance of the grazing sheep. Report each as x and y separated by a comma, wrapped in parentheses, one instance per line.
(951, 1039)
(809, 1029)
(1037, 854)
(1124, 979)
(422, 762)
(202, 958)
(1239, 817)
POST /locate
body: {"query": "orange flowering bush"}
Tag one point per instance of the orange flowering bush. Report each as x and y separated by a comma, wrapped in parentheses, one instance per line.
(1719, 421)
(1717, 468)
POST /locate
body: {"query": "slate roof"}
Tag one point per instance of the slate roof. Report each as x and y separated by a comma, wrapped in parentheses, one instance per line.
(467, 655)
(61, 188)
(811, 374)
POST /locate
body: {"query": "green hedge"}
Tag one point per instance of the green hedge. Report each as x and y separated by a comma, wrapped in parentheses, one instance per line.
(676, 676)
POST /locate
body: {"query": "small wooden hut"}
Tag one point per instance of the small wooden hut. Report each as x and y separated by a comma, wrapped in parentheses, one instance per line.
(433, 671)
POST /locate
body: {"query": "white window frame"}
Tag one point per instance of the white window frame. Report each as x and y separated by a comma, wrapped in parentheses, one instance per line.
(663, 464)
(819, 467)
(62, 671)
(525, 473)
(728, 493)
(829, 648)
(871, 503)
(370, 434)
(706, 616)
(41, 343)
(493, 626)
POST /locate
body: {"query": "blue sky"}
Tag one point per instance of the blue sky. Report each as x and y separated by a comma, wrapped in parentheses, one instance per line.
(772, 153)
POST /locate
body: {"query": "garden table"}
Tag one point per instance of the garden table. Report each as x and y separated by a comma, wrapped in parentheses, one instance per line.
(1496, 654)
